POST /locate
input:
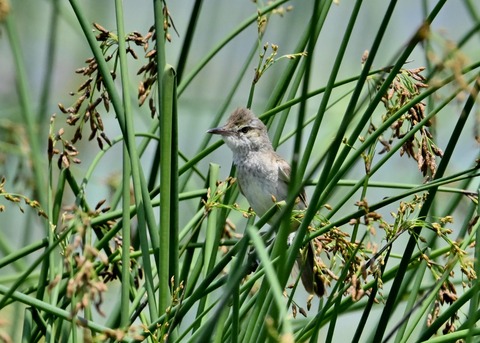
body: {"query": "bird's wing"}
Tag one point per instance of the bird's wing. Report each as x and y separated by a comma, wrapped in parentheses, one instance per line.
(240, 187)
(284, 172)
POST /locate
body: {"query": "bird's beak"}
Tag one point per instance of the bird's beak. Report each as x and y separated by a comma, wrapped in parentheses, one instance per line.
(220, 131)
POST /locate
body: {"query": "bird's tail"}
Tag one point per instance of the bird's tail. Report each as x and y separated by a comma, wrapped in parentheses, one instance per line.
(309, 271)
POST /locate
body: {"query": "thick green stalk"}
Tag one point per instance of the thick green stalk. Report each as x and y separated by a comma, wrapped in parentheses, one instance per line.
(126, 242)
(142, 197)
(174, 180)
(167, 266)
(126, 174)
(166, 116)
(212, 239)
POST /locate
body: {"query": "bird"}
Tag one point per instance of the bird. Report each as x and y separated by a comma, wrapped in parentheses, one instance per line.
(263, 177)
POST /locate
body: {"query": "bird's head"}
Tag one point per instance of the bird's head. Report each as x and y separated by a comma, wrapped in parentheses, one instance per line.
(243, 132)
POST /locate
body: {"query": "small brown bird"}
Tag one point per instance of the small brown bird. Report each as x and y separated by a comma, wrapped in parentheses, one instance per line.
(263, 177)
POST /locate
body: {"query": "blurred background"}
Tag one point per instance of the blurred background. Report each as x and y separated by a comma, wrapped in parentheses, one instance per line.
(203, 98)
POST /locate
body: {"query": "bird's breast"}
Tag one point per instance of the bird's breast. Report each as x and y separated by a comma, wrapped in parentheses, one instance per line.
(259, 183)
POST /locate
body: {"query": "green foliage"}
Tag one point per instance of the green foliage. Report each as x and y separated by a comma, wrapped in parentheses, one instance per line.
(169, 254)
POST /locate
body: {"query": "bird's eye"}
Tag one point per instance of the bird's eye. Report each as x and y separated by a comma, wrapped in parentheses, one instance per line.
(245, 129)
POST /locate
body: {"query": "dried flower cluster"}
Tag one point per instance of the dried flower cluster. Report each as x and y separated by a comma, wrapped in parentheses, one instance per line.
(85, 286)
(337, 246)
(93, 91)
(85, 109)
(168, 22)
(282, 10)
(69, 152)
(91, 94)
(90, 269)
(262, 20)
(213, 199)
(17, 199)
(446, 296)
(405, 87)
(148, 70)
(406, 221)
(265, 63)
(451, 61)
